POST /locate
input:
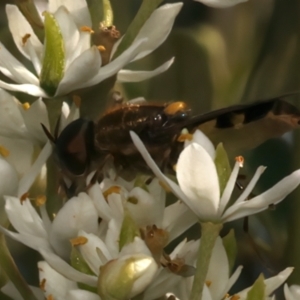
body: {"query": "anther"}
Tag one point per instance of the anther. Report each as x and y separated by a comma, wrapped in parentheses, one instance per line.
(240, 160)
(4, 152)
(78, 241)
(26, 106)
(40, 200)
(87, 29)
(25, 38)
(101, 48)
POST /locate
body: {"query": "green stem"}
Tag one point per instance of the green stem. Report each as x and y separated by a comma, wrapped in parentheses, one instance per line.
(53, 199)
(8, 265)
(210, 232)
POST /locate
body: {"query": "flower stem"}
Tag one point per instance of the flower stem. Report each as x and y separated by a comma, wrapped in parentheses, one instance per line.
(54, 201)
(8, 265)
(210, 232)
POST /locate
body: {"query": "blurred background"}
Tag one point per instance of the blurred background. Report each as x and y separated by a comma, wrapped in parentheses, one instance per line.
(242, 54)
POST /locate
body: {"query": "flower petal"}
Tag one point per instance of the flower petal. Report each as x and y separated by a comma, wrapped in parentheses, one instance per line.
(292, 292)
(15, 69)
(177, 219)
(81, 70)
(77, 214)
(136, 76)
(69, 33)
(200, 138)
(152, 165)
(35, 116)
(157, 28)
(20, 154)
(221, 3)
(198, 179)
(78, 9)
(12, 123)
(259, 203)
(81, 294)
(66, 270)
(218, 271)
(24, 217)
(19, 28)
(29, 240)
(54, 283)
(9, 180)
(90, 251)
(30, 89)
(117, 64)
(28, 179)
(271, 283)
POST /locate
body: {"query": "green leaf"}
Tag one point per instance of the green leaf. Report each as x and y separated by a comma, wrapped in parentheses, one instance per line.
(129, 231)
(257, 292)
(229, 243)
(78, 263)
(54, 56)
(222, 166)
(145, 11)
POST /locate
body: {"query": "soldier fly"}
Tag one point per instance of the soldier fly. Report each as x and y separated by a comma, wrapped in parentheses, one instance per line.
(85, 145)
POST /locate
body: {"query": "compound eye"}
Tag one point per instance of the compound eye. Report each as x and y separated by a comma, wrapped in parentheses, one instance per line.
(74, 146)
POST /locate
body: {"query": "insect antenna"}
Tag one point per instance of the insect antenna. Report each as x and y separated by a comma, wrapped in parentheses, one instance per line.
(52, 138)
(48, 134)
(56, 129)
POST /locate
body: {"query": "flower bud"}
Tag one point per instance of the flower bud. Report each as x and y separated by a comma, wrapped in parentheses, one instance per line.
(126, 277)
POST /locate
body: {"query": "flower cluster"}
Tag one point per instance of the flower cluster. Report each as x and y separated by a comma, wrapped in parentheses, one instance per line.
(115, 239)
(77, 64)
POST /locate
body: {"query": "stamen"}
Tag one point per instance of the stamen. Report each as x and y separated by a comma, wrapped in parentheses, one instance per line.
(42, 284)
(24, 197)
(112, 190)
(240, 160)
(40, 200)
(50, 297)
(235, 297)
(4, 152)
(26, 106)
(25, 38)
(185, 137)
(208, 283)
(78, 241)
(101, 48)
(87, 29)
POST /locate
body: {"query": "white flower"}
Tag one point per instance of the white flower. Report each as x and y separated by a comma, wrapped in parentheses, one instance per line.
(199, 184)
(80, 217)
(221, 3)
(292, 292)
(22, 137)
(218, 275)
(271, 284)
(80, 65)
